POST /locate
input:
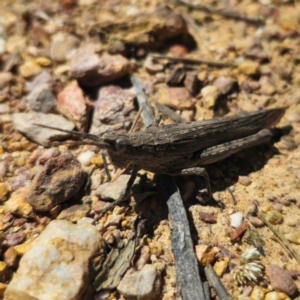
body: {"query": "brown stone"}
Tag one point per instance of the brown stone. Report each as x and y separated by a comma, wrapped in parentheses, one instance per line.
(74, 213)
(91, 70)
(176, 75)
(206, 217)
(14, 239)
(74, 106)
(175, 97)
(236, 235)
(10, 257)
(192, 83)
(60, 179)
(114, 109)
(281, 280)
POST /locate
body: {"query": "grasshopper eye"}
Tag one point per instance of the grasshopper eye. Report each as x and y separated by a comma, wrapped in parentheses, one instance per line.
(120, 145)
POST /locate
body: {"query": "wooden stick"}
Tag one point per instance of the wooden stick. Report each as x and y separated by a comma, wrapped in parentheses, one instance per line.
(168, 112)
(279, 235)
(187, 272)
(196, 61)
(216, 283)
(225, 13)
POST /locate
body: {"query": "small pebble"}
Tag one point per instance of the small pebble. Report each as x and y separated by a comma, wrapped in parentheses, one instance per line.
(292, 223)
(286, 143)
(277, 296)
(256, 222)
(244, 180)
(220, 267)
(10, 257)
(228, 281)
(236, 219)
(98, 161)
(210, 94)
(178, 50)
(74, 213)
(15, 238)
(224, 84)
(113, 220)
(86, 157)
(200, 250)
(274, 217)
(4, 189)
(238, 232)
(143, 284)
(293, 237)
(277, 206)
(3, 267)
(249, 68)
(251, 209)
(29, 68)
(152, 66)
(257, 293)
(206, 217)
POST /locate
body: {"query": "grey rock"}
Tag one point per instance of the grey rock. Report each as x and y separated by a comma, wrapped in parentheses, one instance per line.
(62, 45)
(113, 190)
(224, 84)
(25, 123)
(144, 284)
(41, 99)
(114, 110)
(42, 78)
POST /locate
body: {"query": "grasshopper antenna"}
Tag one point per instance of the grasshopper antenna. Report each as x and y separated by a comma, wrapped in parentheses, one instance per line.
(83, 135)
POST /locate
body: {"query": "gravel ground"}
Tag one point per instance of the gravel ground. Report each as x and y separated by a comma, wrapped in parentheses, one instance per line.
(68, 64)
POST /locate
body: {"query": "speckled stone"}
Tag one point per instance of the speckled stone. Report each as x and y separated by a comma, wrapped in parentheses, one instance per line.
(60, 256)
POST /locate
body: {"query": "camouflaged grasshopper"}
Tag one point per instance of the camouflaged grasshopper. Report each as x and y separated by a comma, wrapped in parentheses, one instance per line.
(183, 149)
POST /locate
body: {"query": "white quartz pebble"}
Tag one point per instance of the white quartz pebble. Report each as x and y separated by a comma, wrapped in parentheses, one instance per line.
(236, 219)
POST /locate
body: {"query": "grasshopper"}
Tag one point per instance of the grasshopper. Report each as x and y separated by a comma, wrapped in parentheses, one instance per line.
(183, 149)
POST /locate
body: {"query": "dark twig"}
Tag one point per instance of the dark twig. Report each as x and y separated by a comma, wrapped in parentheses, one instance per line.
(168, 112)
(187, 273)
(216, 283)
(206, 290)
(146, 112)
(232, 196)
(135, 120)
(225, 13)
(196, 61)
